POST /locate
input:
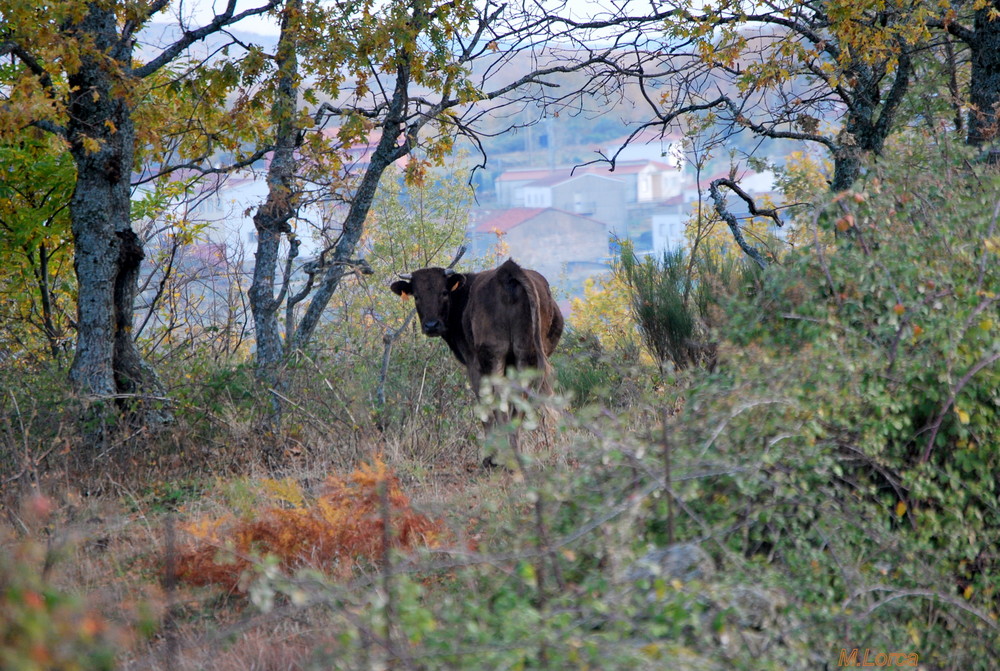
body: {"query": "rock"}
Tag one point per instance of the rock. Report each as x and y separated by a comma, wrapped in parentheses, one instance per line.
(756, 608)
(684, 562)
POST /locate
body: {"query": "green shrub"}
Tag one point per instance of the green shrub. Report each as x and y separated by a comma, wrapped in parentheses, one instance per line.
(856, 413)
(665, 319)
(676, 304)
(588, 374)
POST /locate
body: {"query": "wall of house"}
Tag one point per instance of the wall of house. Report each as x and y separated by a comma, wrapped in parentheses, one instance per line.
(510, 193)
(536, 196)
(668, 229)
(592, 196)
(553, 239)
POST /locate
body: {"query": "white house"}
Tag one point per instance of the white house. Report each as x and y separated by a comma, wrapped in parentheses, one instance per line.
(650, 144)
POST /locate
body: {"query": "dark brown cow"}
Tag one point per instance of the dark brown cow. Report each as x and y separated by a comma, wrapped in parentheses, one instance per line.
(493, 320)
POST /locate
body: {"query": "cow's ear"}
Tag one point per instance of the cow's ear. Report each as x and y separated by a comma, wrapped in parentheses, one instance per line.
(401, 288)
(454, 281)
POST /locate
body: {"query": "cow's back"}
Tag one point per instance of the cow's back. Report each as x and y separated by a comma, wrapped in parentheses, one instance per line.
(503, 316)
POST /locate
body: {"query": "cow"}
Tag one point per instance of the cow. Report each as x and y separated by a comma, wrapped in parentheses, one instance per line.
(492, 320)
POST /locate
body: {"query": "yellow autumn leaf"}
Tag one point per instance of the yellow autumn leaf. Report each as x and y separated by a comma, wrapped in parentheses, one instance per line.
(900, 509)
(963, 416)
(967, 592)
(285, 490)
(652, 650)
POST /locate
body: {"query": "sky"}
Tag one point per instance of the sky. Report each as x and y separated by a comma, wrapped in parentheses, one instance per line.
(200, 12)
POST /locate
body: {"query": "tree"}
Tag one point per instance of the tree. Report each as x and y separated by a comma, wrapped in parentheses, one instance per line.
(983, 42)
(271, 220)
(35, 249)
(828, 72)
(75, 75)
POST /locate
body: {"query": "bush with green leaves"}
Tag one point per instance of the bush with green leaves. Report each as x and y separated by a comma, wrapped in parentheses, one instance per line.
(855, 419)
(590, 374)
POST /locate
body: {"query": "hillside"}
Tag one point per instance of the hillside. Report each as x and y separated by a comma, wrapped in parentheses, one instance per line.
(818, 491)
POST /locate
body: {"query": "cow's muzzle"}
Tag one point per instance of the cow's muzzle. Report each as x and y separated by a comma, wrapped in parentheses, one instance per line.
(433, 328)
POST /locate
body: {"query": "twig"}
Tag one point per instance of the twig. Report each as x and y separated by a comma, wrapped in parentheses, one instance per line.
(171, 650)
(821, 257)
(730, 218)
(667, 479)
(389, 610)
(920, 593)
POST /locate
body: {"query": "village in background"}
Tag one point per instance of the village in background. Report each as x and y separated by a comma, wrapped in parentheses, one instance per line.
(546, 194)
(566, 221)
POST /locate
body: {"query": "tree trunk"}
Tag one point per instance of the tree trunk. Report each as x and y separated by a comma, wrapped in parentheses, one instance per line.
(984, 84)
(870, 119)
(263, 304)
(108, 252)
(846, 164)
(386, 151)
(271, 222)
(52, 335)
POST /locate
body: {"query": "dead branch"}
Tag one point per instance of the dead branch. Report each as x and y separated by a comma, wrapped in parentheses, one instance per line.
(730, 218)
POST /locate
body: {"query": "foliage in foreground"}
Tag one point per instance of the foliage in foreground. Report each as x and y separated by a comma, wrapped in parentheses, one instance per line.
(854, 423)
(43, 627)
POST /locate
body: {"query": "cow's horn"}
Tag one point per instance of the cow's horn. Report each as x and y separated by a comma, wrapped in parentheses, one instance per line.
(405, 276)
(449, 271)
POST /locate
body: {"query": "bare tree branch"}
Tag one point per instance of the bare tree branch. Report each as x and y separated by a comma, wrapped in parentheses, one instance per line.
(730, 219)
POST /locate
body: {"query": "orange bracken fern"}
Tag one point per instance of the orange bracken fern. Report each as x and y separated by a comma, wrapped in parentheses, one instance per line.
(338, 530)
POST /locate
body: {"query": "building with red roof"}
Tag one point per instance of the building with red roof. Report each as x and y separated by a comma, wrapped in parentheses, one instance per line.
(564, 246)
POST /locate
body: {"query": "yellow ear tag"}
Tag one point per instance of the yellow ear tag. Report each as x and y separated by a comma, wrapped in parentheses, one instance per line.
(404, 295)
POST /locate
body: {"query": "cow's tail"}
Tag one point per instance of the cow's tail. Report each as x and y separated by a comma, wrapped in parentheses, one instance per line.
(510, 275)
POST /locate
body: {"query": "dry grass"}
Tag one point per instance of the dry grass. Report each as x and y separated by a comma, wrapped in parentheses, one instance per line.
(103, 534)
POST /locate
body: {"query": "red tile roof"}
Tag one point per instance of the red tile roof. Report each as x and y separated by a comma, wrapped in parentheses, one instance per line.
(504, 220)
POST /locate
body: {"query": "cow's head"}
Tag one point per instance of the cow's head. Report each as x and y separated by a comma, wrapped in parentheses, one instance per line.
(432, 289)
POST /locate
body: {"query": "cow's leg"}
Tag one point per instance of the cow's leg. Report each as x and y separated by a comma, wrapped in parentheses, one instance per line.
(489, 362)
(526, 356)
